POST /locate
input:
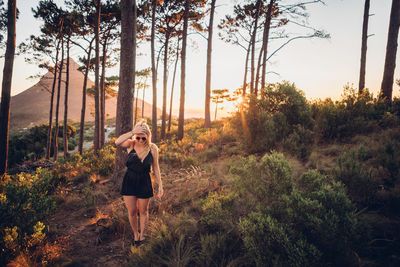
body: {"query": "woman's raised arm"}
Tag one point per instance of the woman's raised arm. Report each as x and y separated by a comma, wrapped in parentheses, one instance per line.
(124, 140)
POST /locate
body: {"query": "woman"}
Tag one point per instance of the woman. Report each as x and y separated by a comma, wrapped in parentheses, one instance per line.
(136, 185)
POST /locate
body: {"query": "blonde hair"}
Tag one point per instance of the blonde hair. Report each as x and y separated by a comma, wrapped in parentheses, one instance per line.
(142, 128)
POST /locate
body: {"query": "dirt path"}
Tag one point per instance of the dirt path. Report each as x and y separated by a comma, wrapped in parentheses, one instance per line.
(86, 236)
(100, 235)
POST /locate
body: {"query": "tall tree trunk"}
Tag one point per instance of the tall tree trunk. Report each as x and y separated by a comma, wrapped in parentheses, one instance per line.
(207, 120)
(267, 26)
(53, 87)
(134, 30)
(245, 69)
(172, 87)
(55, 137)
(183, 71)
(165, 79)
(361, 83)
(154, 73)
(216, 108)
(136, 103)
(83, 109)
(126, 71)
(144, 90)
(391, 50)
(103, 94)
(96, 137)
(65, 128)
(253, 46)
(6, 84)
(258, 67)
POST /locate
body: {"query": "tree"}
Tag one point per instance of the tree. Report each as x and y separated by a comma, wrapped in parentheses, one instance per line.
(125, 94)
(6, 83)
(170, 14)
(218, 97)
(391, 50)
(55, 136)
(172, 86)
(96, 140)
(361, 83)
(207, 120)
(153, 71)
(183, 71)
(190, 13)
(42, 47)
(84, 32)
(242, 27)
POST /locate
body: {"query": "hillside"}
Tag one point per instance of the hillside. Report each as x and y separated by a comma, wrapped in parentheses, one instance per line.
(31, 107)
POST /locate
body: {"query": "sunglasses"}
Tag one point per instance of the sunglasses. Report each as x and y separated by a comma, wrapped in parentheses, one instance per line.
(143, 138)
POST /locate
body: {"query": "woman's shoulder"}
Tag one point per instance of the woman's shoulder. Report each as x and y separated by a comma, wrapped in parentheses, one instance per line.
(153, 146)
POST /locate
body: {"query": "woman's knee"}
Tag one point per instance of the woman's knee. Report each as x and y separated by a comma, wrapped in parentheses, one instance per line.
(132, 212)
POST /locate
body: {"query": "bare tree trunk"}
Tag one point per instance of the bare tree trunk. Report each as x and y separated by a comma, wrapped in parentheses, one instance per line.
(258, 68)
(53, 87)
(216, 108)
(391, 51)
(267, 26)
(96, 141)
(207, 119)
(65, 128)
(144, 90)
(183, 71)
(103, 94)
(6, 84)
(172, 87)
(253, 46)
(154, 73)
(55, 138)
(126, 71)
(83, 110)
(136, 103)
(165, 79)
(245, 70)
(361, 84)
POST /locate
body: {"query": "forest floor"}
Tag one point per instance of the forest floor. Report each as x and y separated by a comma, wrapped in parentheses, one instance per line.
(92, 229)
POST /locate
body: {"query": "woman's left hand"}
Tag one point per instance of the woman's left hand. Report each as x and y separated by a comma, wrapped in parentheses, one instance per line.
(160, 191)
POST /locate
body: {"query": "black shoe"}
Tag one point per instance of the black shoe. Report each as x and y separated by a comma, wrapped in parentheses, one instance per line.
(136, 243)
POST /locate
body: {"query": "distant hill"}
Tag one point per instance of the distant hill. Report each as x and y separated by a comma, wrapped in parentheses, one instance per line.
(32, 106)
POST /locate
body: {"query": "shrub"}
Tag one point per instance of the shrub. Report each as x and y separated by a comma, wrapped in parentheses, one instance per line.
(300, 143)
(24, 201)
(263, 122)
(359, 178)
(310, 222)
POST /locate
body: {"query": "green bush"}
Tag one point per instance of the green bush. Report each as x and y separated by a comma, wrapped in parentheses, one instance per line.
(309, 222)
(300, 143)
(360, 179)
(25, 199)
(264, 121)
(353, 114)
(31, 144)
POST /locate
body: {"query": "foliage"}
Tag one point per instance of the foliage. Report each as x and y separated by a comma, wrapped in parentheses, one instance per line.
(304, 223)
(261, 123)
(25, 201)
(31, 144)
(353, 114)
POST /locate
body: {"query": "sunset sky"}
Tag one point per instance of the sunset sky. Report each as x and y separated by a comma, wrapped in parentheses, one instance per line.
(319, 67)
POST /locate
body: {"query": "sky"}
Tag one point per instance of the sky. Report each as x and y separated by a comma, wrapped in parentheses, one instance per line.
(319, 67)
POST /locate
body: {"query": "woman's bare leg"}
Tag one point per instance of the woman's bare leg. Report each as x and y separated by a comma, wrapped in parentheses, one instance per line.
(144, 215)
(131, 205)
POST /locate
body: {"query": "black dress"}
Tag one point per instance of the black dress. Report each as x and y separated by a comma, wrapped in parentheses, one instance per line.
(137, 181)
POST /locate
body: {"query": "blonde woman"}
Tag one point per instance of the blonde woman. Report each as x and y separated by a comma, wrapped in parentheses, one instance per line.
(136, 185)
